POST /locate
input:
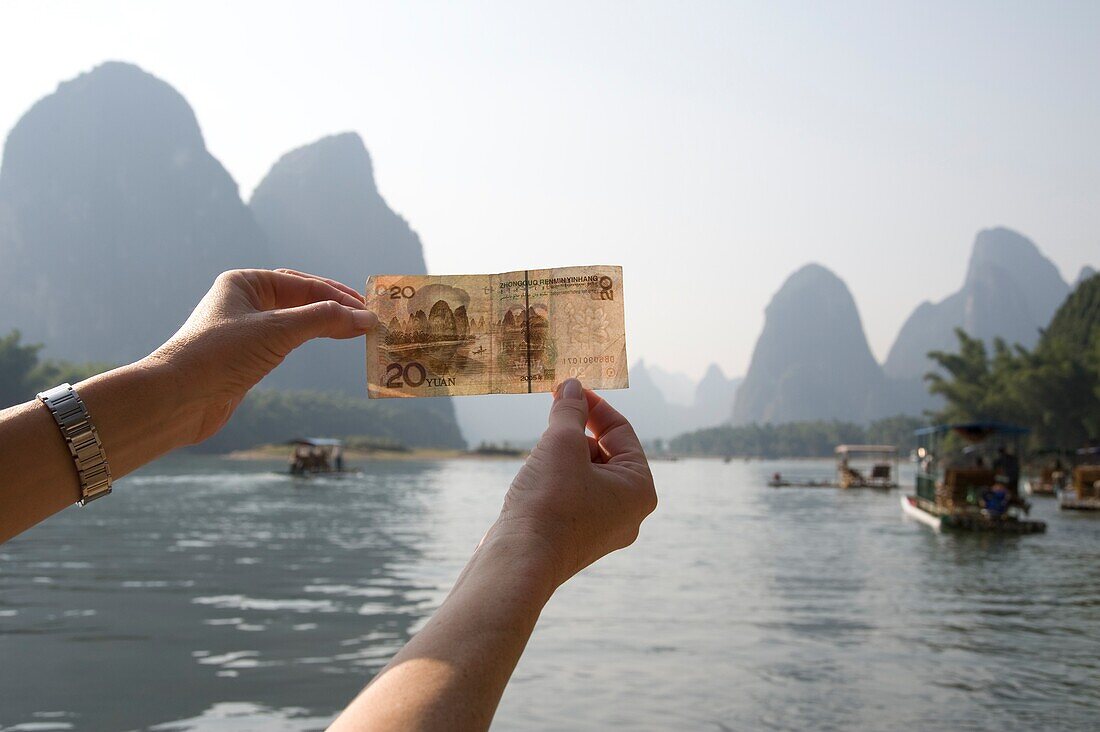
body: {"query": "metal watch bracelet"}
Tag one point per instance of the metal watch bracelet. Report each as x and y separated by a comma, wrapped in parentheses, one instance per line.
(83, 440)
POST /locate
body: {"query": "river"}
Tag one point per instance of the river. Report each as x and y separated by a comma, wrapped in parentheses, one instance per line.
(216, 594)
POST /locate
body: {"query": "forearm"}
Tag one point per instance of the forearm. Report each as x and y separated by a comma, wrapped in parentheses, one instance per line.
(140, 413)
(452, 673)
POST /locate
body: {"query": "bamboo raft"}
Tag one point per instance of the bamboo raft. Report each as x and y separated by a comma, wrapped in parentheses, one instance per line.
(801, 483)
(953, 519)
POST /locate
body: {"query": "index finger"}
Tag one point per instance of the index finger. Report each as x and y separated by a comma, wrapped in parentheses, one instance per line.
(328, 280)
(282, 289)
(613, 432)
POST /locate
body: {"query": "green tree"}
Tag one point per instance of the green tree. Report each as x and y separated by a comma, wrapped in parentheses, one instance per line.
(23, 374)
(975, 385)
(52, 373)
(17, 365)
(1054, 389)
(897, 430)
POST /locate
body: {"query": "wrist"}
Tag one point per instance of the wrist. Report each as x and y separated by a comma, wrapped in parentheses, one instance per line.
(524, 559)
(195, 398)
(180, 397)
(141, 411)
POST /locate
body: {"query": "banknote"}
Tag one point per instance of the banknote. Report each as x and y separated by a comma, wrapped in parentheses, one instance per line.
(511, 333)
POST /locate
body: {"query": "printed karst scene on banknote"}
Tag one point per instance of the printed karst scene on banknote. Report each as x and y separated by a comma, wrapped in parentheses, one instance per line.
(511, 333)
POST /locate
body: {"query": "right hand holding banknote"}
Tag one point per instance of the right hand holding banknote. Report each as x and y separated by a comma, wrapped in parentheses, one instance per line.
(580, 496)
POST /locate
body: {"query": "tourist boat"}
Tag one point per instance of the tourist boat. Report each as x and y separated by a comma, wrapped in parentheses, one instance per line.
(778, 481)
(975, 488)
(1049, 473)
(1083, 494)
(318, 456)
(867, 466)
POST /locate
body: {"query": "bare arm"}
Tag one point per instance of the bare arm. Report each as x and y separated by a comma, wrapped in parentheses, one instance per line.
(179, 395)
(452, 673)
(576, 499)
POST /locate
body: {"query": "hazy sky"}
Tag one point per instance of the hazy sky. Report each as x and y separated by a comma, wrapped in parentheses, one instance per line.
(709, 148)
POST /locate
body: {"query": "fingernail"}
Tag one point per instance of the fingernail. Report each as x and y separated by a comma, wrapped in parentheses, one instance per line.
(363, 319)
(572, 389)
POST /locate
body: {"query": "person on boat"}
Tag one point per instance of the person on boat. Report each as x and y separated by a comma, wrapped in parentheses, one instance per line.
(577, 497)
(995, 500)
(1058, 474)
(317, 461)
(338, 458)
(855, 478)
(1007, 465)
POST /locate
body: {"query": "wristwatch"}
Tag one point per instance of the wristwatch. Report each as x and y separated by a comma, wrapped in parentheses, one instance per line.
(83, 440)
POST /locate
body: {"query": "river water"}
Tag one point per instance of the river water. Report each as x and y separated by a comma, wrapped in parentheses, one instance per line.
(211, 594)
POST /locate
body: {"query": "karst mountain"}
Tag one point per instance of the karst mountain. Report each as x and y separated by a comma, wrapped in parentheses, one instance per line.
(1011, 291)
(812, 360)
(114, 217)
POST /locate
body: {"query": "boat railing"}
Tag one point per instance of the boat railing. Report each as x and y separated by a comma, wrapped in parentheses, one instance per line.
(965, 486)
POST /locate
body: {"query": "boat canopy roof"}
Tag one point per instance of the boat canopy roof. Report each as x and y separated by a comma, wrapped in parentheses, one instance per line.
(974, 431)
(877, 449)
(317, 441)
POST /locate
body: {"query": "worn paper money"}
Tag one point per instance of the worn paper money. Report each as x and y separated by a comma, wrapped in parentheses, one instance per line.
(511, 333)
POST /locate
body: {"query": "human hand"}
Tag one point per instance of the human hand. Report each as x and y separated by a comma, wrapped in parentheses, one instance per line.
(579, 497)
(244, 327)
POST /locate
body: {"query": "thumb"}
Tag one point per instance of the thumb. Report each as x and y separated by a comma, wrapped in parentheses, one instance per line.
(570, 408)
(324, 319)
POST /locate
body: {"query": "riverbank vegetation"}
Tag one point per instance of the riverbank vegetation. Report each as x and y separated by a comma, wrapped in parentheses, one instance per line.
(23, 373)
(794, 439)
(1053, 389)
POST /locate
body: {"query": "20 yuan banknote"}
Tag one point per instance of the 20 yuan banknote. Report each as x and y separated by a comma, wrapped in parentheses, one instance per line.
(511, 333)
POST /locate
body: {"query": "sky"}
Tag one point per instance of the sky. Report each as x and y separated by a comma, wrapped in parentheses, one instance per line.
(709, 148)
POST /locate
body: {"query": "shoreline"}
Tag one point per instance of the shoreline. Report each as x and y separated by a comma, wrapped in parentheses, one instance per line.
(281, 452)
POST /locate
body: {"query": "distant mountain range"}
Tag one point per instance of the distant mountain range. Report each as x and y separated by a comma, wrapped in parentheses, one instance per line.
(519, 419)
(677, 388)
(812, 360)
(1011, 291)
(115, 219)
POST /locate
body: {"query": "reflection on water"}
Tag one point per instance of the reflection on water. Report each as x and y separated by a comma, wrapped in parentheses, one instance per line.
(199, 588)
(208, 595)
(232, 716)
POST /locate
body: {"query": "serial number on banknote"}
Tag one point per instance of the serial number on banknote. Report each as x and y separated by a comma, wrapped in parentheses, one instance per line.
(517, 332)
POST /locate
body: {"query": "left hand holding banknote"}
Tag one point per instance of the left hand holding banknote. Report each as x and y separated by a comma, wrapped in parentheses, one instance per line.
(244, 327)
(579, 497)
